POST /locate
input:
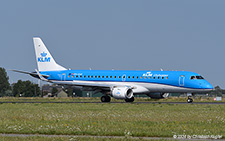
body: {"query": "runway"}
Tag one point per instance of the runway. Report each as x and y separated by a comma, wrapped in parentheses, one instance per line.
(207, 103)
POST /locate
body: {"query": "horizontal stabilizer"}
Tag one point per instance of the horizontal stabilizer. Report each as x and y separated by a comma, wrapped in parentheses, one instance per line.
(30, 73)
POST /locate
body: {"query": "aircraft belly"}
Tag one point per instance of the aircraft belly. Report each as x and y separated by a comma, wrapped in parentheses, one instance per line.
(137, 87)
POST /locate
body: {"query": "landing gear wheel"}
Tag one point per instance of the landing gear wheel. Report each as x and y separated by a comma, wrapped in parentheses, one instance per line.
(189, 100)
(130, 100)
(105, 98)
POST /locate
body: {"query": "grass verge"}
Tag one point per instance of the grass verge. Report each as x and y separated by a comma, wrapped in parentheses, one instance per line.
(153, 120)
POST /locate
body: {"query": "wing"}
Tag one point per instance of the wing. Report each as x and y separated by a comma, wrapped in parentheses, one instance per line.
(93, 85)
(89, 83)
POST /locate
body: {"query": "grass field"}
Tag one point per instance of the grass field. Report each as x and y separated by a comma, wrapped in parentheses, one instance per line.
(153, 120)
(72, 139)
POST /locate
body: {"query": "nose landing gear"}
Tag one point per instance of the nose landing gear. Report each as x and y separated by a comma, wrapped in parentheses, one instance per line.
(190, 95)
(189, 100)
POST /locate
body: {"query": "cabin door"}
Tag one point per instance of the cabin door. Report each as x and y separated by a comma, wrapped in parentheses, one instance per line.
(63, 77)
(181, 80)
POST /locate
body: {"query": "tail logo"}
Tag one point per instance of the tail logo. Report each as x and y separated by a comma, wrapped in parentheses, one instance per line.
(43, 58)
(43, 54)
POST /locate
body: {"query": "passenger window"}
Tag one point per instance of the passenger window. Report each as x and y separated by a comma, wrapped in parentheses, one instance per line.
(133, 77)
(141, 77)
(154, 77)
(84, 76)
(114, 76)
(68, 76)
(124, 76)
(145, 77)
(128, 76)
(110, 76)
(102, 76)
(80, 76)
(166, 77)
(98, 76)
(76, 76)
(106, 76)
(91, 76)
(95, 76)
(137, 77)
(149, 77)
(158, 77)
(72, 76)
(119, 76)
(162, 77)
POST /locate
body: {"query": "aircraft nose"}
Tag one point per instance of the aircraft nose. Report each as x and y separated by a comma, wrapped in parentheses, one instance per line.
(208, 86)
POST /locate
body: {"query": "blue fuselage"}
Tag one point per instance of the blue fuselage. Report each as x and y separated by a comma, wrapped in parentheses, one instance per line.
(181, 79)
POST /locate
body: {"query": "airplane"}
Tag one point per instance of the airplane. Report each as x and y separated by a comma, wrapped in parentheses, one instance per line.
(119, 84)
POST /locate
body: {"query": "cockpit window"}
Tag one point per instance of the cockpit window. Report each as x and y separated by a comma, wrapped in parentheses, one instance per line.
(199, 77)
(196, 77)
(193, 77)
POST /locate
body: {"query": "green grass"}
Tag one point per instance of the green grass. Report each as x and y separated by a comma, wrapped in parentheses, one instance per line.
(37, 138)
(153, 120)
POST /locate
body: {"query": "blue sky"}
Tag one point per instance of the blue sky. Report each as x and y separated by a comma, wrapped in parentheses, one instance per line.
(119, 34)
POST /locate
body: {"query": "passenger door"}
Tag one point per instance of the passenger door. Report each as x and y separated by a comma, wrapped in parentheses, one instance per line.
(63, 77)
(181, 80)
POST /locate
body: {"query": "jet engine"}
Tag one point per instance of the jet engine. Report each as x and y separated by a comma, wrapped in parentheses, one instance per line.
(122, 93)
(158, 95)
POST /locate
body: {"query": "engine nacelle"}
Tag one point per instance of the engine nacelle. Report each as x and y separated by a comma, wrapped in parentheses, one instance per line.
(158, 95)
(122, 93)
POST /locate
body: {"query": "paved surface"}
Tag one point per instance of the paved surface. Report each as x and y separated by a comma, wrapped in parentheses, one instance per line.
(215, 103)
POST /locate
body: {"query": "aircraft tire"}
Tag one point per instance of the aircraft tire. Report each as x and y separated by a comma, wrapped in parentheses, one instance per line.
(108, 98)
(189, 100)
(105, 98)
(130, 100)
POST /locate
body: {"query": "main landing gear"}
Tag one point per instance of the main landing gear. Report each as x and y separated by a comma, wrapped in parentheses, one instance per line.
(105, 98)
(130, 100)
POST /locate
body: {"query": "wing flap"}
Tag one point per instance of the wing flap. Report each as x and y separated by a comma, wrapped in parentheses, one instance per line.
(83, 83)
(107, 85)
